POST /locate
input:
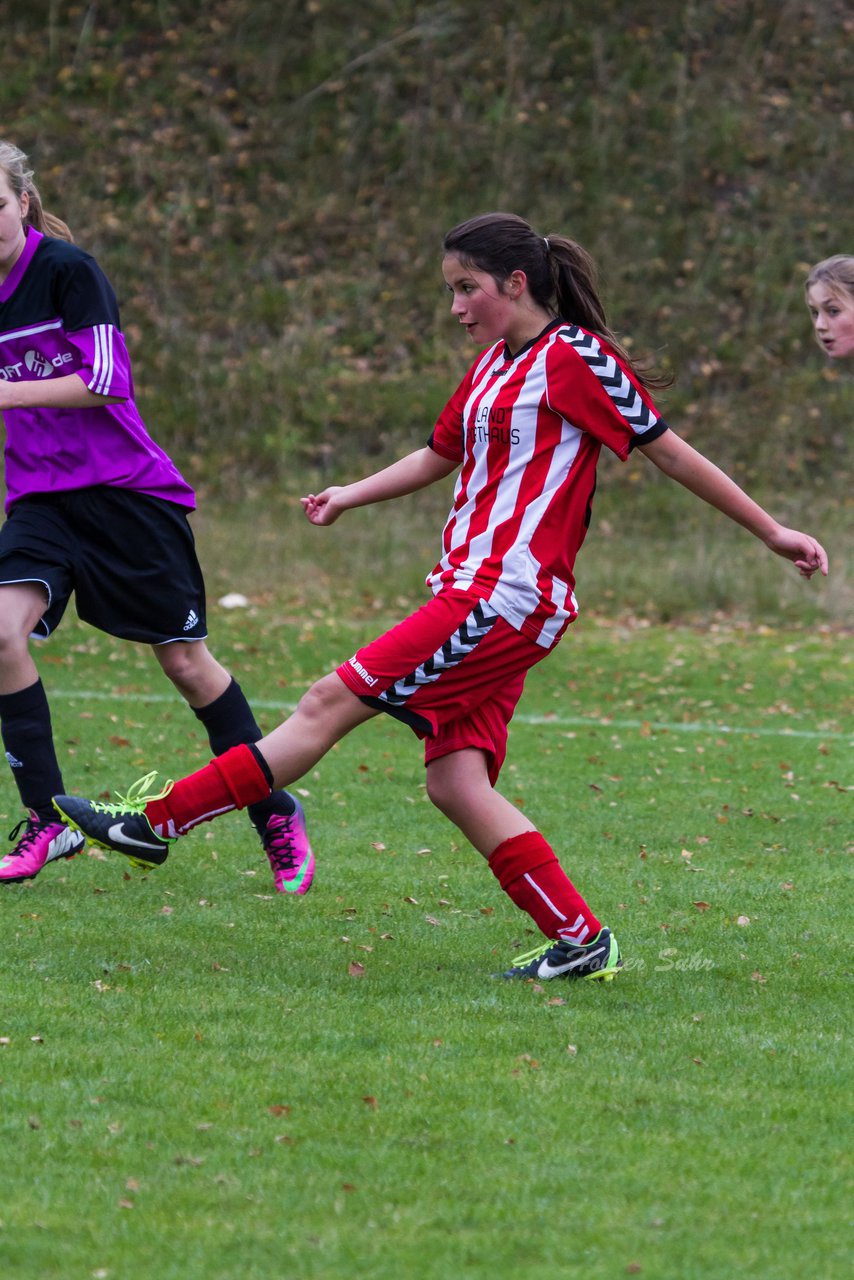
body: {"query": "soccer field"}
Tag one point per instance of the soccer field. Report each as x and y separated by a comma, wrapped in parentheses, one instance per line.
(203, 1080)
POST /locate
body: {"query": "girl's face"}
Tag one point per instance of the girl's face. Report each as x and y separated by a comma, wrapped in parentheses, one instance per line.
(832, 312)
(12, 214)
(487, 312)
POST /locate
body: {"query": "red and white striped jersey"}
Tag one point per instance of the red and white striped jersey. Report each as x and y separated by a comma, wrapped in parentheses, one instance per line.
(527, 431)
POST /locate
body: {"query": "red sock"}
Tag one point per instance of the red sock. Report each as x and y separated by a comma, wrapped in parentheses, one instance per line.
(231, 781)
(531, 876)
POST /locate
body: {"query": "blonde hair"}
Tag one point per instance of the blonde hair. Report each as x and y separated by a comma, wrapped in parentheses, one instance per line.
(13, 163)
(836, 272)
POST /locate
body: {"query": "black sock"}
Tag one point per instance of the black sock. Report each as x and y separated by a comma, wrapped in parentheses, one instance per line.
(229, 721)
(28, 740)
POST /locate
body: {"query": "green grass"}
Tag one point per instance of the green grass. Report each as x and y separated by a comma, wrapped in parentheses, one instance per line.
(201, 1080)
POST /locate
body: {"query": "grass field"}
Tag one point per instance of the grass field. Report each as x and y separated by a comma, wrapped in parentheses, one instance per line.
(202, 1080)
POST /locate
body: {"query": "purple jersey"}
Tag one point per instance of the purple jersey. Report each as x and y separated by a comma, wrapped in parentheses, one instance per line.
(58, 315)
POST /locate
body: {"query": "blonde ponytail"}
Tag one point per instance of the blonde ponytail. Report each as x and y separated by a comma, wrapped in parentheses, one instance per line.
(13, 163)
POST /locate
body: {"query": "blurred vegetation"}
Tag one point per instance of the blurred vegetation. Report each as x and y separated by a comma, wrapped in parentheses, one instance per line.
(267, 184)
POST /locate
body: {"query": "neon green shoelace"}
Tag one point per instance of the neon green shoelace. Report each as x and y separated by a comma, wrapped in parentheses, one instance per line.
(136, 799)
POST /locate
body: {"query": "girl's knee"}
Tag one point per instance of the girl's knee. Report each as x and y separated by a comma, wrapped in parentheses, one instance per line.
(325, 697)
(443, 788)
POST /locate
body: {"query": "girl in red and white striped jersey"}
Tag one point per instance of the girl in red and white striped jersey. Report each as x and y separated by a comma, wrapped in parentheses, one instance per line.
(523, 432)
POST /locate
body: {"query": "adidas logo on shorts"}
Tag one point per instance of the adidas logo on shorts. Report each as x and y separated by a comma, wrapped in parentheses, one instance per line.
(192, 619)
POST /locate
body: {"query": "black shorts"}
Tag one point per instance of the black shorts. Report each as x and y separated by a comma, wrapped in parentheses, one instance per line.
(129, 558)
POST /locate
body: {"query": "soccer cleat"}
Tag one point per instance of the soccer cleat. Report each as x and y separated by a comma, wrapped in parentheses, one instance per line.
(285, 842)
(560, 959)
(123, 826)
(41, 843)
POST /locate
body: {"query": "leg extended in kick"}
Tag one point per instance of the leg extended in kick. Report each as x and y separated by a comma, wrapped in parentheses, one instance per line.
(142, 827)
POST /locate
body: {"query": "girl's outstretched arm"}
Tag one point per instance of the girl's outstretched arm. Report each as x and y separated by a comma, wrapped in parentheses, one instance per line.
(415, 471)
(677, 459)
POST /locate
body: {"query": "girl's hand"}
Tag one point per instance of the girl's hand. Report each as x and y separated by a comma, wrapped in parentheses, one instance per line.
(807, 554)
(321, 508)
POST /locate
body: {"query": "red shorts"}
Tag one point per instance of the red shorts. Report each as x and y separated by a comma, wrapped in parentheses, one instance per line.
(453, 671)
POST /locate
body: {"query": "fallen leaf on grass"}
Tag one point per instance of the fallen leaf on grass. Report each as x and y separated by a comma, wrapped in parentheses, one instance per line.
(279, 1109)
(370, 1101)
(758, 977)
(701, 906)
(355, 969)
(744, 921)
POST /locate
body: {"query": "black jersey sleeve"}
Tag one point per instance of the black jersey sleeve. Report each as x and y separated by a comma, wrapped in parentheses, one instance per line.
(84, 296)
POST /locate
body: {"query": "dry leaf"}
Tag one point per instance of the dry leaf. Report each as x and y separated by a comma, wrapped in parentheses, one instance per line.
(757, 977)
(701, 906)
(743, 921)
(279, 1109)
(370, 1101)
(355, 969)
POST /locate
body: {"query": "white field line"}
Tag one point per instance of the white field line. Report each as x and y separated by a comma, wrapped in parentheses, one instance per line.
(559, 721)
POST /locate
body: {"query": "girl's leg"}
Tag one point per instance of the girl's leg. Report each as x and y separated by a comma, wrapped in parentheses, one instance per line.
(218, 701)
(194, 671)
(245, 775)
(523, 862)
(24, 711)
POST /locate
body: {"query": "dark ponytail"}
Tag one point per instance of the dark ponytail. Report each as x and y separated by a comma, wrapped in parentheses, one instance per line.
(561, 275)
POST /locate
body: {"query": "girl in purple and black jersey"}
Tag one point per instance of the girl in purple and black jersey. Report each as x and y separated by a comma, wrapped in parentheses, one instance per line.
(96, 508)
